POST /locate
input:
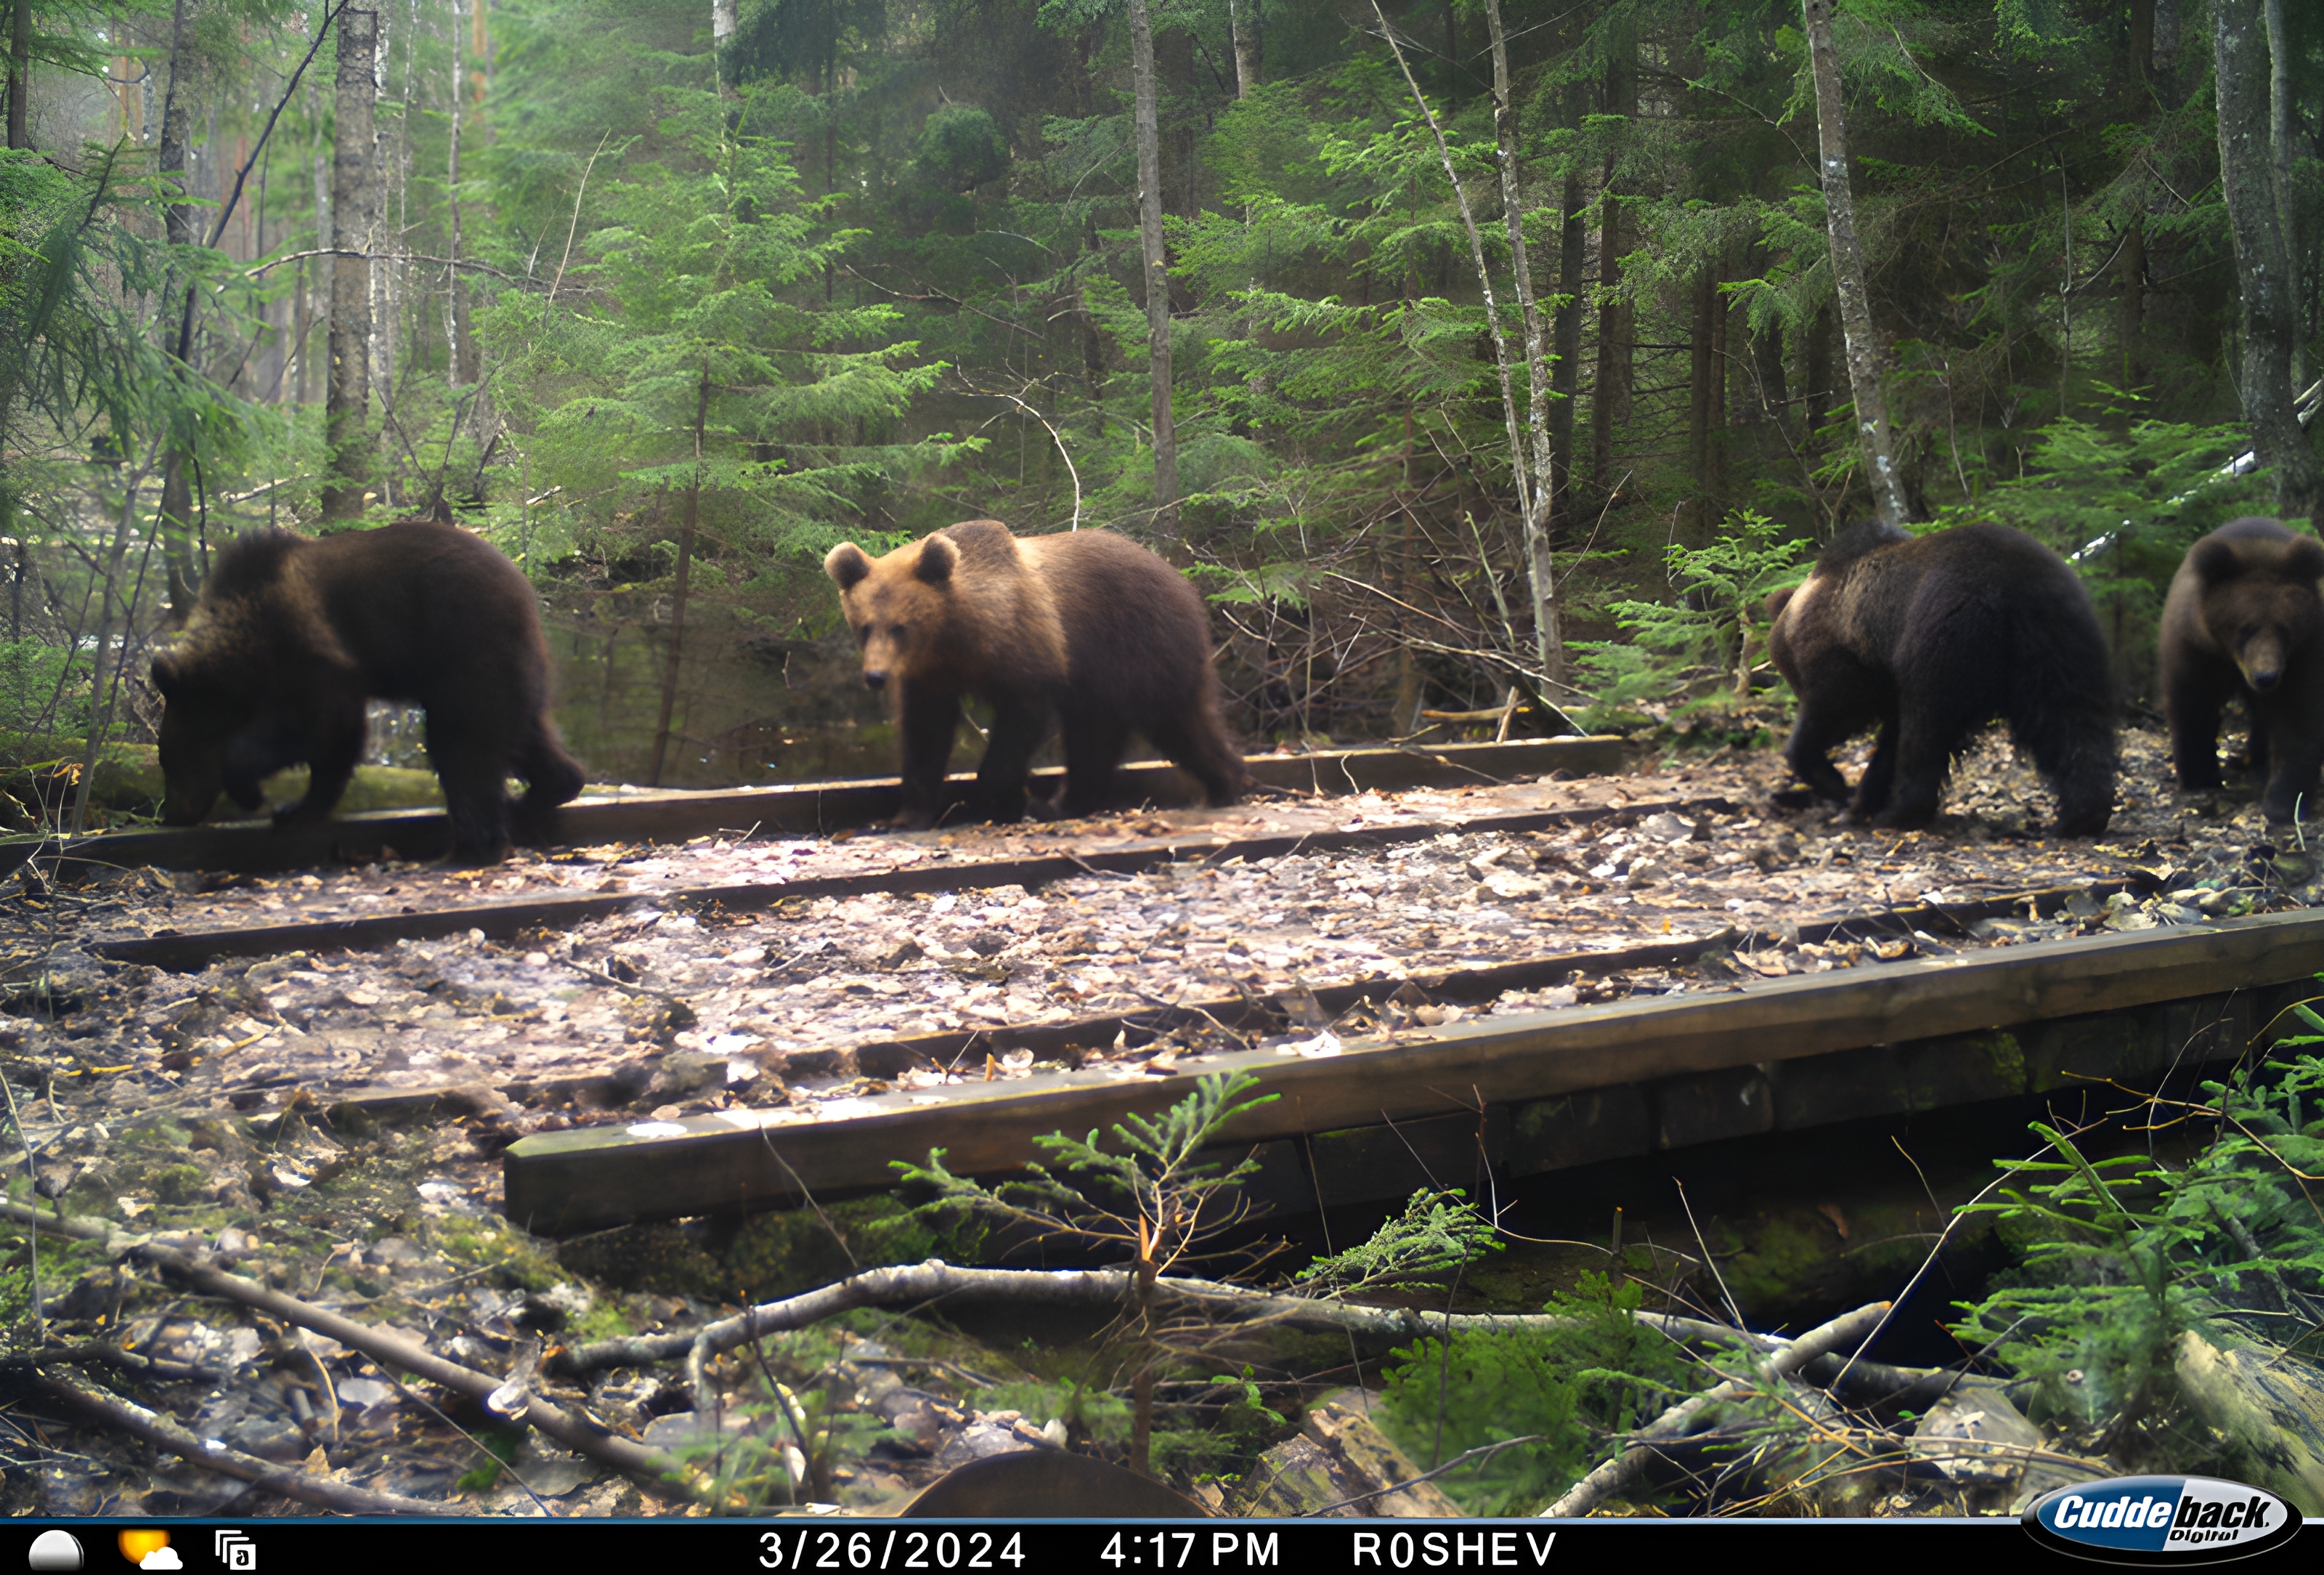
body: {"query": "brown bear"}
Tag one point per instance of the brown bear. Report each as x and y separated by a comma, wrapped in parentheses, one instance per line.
(1084, 627)
(1930, 638)
(290, 637)
(2244, 619)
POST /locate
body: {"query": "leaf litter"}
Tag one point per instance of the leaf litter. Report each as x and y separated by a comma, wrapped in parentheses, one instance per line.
(329, 1122)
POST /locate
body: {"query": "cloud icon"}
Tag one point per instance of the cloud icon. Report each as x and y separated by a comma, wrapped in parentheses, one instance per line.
(161, 1559)
(56, 1549)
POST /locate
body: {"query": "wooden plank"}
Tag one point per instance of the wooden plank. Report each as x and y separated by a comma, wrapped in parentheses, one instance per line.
(560, 1183)
(795, 809)
(194, 949)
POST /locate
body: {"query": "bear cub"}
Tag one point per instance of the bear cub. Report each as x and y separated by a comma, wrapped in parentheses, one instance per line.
(2243, 620)
(290, 637)
(1930, 638)
(1083, 627)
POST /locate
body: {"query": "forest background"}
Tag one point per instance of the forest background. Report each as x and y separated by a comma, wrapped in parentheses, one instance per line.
(667, 299)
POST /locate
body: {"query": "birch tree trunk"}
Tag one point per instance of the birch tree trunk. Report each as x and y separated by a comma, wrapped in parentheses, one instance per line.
(1848, 275)
(2263, 272)
(722, 31)
(1242, 23)
(1540, 567)
(354, 205)
(20, 74)
(1155, 268)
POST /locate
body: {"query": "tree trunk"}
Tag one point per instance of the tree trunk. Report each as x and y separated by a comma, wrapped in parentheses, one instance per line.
(688, 515)
(20, 75)
(721, 33)
(1242, 23)
(2284, 126)
(1535, 496)
(2271, 306)
(456, 327)
(2134, 301)
(179, 229)
(354, 191)
(1155, 268)
(1698, 403)
(1611, 400)
(1848, 275)
(1573, 254)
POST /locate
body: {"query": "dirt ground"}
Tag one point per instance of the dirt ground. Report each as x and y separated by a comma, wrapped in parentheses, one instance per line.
(193, 1107)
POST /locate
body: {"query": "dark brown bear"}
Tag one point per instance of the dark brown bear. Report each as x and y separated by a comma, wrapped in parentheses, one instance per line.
(290, 636)
(2244, 619)
(1930, 638)
(1085, 627)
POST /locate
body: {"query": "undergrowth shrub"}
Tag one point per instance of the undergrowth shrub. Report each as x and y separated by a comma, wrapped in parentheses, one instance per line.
(2119, 1258)
(1574, 1388)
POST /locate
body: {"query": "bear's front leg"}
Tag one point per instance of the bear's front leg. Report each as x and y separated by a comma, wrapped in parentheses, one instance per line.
(331, 761)
(1018, 728)
(2295, 755)
(2193, 704)
(1817, 731)
(928, 723)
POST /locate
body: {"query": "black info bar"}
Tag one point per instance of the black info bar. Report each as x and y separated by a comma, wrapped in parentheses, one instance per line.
(808, 1545)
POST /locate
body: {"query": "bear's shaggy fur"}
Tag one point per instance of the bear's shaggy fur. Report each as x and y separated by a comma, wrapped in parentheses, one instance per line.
(290, 637)
(1084, 626)
(2244, 619)
(1930, 638)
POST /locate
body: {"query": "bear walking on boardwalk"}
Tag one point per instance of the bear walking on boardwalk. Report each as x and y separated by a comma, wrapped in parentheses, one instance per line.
(291, 635)
(2244, 619)
(1930, 638)
(1084, 626)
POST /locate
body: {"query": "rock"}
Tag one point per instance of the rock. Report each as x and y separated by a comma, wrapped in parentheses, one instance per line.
(1667, 827)
(989, 1434)
(1341, 1455)
(2270, 1405)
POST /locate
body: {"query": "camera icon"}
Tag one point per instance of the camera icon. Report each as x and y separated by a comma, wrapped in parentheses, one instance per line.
(236, 1551)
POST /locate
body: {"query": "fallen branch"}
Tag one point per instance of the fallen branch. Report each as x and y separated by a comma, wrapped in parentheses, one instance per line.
(288, 1482)
(912, 1283)
(656, 1469)
(1623, 1469)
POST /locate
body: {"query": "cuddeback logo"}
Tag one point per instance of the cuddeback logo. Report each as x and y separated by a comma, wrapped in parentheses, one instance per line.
(2162, 1520)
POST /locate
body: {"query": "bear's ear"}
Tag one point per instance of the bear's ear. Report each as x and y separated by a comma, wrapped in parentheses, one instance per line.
(938, 558)
(2215, 561)
(2304, 559)
(165, 676)
(847, 566)
(1777, 600)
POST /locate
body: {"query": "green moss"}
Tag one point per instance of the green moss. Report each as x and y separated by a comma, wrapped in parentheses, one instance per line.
(514, 1261)
(178, 1183)
(782, 1254)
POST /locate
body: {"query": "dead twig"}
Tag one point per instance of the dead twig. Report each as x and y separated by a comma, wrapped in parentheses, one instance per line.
(1619, 1472)
(287, 1481)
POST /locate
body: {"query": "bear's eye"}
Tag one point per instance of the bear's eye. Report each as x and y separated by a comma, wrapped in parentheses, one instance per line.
(863, 634)
(896, 631)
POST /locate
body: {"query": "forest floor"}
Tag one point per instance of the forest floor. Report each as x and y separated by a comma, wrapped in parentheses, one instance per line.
(184, 1107)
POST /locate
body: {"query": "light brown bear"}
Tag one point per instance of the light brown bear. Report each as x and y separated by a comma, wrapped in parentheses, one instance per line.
(1084, 627)
(2244, 619)
(291, 635)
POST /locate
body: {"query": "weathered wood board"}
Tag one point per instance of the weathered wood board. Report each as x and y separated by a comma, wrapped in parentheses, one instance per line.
(802, 809)
(1579, 1085)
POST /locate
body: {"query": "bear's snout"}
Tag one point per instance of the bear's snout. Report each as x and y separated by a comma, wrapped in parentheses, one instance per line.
(2263, 662)
(875, 678)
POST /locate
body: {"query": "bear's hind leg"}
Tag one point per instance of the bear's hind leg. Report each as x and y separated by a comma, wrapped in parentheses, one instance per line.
(1196, 743)
(2294, 759)
(2074, 752)
(1093, 747)
(551, 777)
